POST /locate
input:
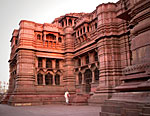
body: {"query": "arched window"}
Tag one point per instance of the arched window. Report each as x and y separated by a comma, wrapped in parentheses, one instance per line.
(80, 78)
(87, 59)
(39, 37)
(88, 80)
(96, 56)
(48, 79)
(96, 74)
(48, 63)
(70, 22)
(40, 79)
(59, 39)
(39, 62)
(57, 79)
(50, 37)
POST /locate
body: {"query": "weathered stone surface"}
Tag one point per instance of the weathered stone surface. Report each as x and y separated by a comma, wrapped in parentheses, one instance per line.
(95, 56)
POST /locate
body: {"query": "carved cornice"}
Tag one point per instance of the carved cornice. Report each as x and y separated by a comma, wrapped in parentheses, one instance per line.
(136, 68)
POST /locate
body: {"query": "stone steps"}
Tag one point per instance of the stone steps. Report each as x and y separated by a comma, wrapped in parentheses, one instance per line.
(122, 108)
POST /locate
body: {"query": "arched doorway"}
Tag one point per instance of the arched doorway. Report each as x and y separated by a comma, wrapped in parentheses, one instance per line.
(88, 80)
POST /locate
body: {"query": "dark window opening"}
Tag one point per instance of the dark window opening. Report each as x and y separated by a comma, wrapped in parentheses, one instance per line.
(39, 62)
(87, 59)
(96, 74)
(48, 63)
(57, 79)
(48, 79)
(84, 29)
(79, 62)
(50, 37)
(66, 22)
(75, 34)
(96, 56)
(39, 37)
(95, 25)
(80, 78)
(81, 31)
(88, 80)
(16, 42)
(59, 39)
(62, 24)
(57, 63)
(70, 22)
(78, 33)
(40, 79)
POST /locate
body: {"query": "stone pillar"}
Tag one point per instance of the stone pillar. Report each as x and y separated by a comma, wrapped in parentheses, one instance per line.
(44, 36)
(107, 48)
(83, 78)
(43, 62)
(69, 77)
(86, 28)
(64, 23)
(36, 62)
(44, 79)
(54, 79)
(93, 77)
(134, 91)
(36, 81)
(67, 21)
(73, 22)
(54, 63)
(77, 79)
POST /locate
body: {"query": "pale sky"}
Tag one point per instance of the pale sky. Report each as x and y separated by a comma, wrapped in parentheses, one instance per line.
(40, 11)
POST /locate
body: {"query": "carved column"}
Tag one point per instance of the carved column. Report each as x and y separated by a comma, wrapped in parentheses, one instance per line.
(43, 79)
(77, 79)
(43, 62)
(93, 77)
(69, 77)
(83, 78)
(54, 79)
(54, 63)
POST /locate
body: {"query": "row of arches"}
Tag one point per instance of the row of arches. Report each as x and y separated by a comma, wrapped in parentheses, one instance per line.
(87, 59)
(48, 37)
(49, 79)
(67, 22)
(87, 78)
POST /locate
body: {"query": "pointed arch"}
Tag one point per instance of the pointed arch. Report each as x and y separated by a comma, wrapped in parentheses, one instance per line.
(57, 79)
(80, 78)
(48, 79)
(88, 80)
(40, 78)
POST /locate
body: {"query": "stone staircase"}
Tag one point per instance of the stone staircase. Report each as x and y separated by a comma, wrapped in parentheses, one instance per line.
(124, 108)
(80, 99)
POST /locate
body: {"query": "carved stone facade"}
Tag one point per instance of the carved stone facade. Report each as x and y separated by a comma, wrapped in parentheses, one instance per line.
(92, 55)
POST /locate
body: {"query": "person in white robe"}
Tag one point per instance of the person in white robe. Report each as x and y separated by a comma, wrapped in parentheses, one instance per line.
(67, 95)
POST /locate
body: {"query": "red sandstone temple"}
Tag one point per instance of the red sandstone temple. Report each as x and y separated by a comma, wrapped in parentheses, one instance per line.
(101, 58)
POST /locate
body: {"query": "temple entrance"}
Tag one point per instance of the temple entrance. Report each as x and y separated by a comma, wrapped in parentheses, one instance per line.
(88, 80)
